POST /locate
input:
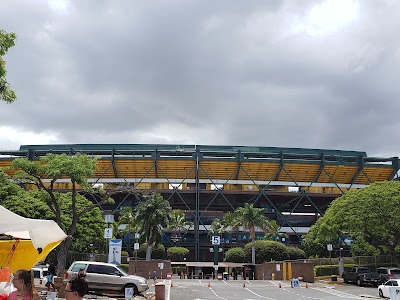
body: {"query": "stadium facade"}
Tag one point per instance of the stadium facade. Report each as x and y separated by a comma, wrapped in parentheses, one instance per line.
(294, 185)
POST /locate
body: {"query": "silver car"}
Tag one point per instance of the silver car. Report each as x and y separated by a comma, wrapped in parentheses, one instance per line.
(104, 277)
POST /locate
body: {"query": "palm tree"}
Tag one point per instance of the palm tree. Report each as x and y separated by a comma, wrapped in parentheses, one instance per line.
(251, 217)
(218, 227)
(152, 215)
(178, 223)
(273, 232)
(127, 218)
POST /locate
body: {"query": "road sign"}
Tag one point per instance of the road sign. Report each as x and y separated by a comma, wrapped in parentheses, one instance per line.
(329, 247)
(128, 293)
(108, 233)
(295, 282)
(216, 240)
(109, 218)
(136, 246)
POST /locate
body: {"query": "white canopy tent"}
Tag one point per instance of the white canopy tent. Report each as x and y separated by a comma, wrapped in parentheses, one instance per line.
(30, 240)
(40, 232)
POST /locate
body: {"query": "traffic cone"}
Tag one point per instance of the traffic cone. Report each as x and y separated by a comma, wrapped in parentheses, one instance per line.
(280, 285)
(306, 285)
(209, 285)
(244, 284)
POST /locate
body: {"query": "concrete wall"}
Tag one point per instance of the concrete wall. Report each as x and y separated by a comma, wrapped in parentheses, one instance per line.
(144, 268)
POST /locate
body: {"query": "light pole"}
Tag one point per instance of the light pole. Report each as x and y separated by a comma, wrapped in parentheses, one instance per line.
(341, 262)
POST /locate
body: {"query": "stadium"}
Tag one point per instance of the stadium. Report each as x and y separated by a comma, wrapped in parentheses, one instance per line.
(294, 185)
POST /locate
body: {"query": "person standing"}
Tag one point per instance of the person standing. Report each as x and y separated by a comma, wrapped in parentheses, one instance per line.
(23, 282)
(50, 275)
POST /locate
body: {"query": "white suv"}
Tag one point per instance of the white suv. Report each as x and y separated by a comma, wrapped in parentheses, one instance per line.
(104, 277)
(40, 276)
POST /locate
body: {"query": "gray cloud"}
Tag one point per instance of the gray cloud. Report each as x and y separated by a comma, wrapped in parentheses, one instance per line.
(268, 73)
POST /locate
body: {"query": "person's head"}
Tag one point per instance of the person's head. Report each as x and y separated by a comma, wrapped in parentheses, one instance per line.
(76, 288)
(81, 273)
(23, 281)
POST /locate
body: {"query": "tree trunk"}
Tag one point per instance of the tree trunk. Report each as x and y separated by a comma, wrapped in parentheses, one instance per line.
(148, 251)
(253, 251)
(62, 255)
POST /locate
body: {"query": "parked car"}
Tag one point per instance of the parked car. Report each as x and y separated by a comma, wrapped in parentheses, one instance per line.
(388, 273)
(40, 276)
(362, 276)
(383, 289)
(104, 277)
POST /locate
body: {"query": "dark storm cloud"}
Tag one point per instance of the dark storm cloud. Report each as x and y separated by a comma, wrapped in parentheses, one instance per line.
(216, 72)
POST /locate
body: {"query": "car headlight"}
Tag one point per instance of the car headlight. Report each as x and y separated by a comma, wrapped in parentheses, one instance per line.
(142, 280)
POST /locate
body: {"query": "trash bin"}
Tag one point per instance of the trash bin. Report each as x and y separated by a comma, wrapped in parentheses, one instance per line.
(160, 291)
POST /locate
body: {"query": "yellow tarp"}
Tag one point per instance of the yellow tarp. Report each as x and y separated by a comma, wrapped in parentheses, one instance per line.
(25, 256)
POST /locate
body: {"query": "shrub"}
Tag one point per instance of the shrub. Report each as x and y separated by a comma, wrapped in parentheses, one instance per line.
(236, 255)
(295, 253)
(177, 253)
(267, 251)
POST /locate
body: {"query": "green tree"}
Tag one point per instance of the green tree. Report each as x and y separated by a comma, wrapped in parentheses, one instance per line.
(32, 204)
(126, 217)
(370, 216)
(251, 217)
(7, 40)
(236, 255)
(177, 253)
(266, 251)
(273, 233)
(152, 215)
(78, 169)
(178, 224)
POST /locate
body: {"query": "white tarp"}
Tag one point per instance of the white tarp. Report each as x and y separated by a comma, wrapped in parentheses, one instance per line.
(40, 232)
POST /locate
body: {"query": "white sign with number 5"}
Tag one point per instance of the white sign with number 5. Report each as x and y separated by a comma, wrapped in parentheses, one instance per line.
(215, 240)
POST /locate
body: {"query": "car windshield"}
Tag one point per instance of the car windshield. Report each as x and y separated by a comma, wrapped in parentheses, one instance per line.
(122, 271)
(363, 270)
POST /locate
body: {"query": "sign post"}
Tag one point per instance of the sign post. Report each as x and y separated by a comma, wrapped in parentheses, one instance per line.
(215, 241)
(108, 232)
(330, 248)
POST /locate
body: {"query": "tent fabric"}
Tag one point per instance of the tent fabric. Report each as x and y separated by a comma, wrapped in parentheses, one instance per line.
(32, 240)
(40, 232)
(25, 255)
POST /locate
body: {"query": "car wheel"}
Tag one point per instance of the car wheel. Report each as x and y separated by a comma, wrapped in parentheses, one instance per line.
(346, 280)
(359, 282)
(130, 285)
(380, 293)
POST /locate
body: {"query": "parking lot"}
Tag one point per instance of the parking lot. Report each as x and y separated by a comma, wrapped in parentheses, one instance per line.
(197, 289)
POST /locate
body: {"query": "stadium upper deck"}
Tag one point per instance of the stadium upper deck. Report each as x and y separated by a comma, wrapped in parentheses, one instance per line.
(238, 167)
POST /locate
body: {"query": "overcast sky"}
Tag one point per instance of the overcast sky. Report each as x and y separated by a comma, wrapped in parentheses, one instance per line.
(309, 74)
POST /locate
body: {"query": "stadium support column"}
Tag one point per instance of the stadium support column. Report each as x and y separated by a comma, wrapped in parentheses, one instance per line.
(197, 213)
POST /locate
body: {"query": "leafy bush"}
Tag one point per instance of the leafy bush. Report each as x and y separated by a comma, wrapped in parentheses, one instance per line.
(236, 255)
(295, 253)
(267, 251)
(177, 253)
